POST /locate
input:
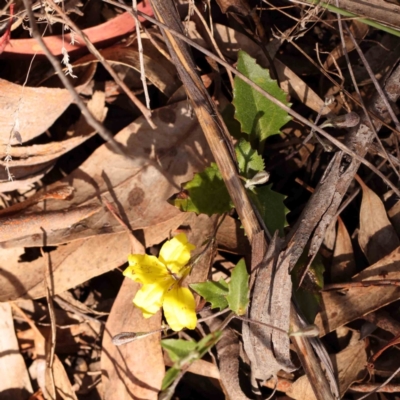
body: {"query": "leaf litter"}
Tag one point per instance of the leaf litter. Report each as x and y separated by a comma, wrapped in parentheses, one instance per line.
(163, 186)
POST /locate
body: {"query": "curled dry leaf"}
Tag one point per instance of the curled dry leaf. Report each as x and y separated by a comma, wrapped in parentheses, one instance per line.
(161, 160)
(301, 389)
(14, 375)
(36, 160)
(30, 111)
(377, 237)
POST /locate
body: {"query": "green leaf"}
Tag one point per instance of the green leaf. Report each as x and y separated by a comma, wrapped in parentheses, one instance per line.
(169, 377)
(178, 349)
(308, 295)
(271, 207)
(206, 194)
(238, 296)
(250, 162)
(213, 292)
(258, 116)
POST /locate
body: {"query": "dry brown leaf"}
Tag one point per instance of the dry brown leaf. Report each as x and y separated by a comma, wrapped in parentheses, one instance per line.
(41, 223)
(161, 160)
(343, 265)
(339, 309)
(26, 176)
(39, 154)
(350, 365)
(36, 160)
(73, 263)
(14, 383)
(377, 237)
(134, 370)
(301, 389)
(31, 111)
(386, 268)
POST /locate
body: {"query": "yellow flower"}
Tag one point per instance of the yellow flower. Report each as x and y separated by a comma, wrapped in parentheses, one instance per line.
(162, 283)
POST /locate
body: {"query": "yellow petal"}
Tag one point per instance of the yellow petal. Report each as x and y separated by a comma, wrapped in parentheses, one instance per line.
(150, 297)
(175, 253)
(179, 308)
(146, 269)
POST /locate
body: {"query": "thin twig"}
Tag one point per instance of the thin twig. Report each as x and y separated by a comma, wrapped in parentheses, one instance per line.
(381, 386)
(141, 60)
(291, 112)
(104, 133)
(48, 283)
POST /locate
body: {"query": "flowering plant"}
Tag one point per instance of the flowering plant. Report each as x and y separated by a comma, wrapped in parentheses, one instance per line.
(162, 279)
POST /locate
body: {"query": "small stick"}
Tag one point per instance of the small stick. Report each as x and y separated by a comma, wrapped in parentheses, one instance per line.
(49, 297)
(372, 282)
(141, 60)
(380, 386)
